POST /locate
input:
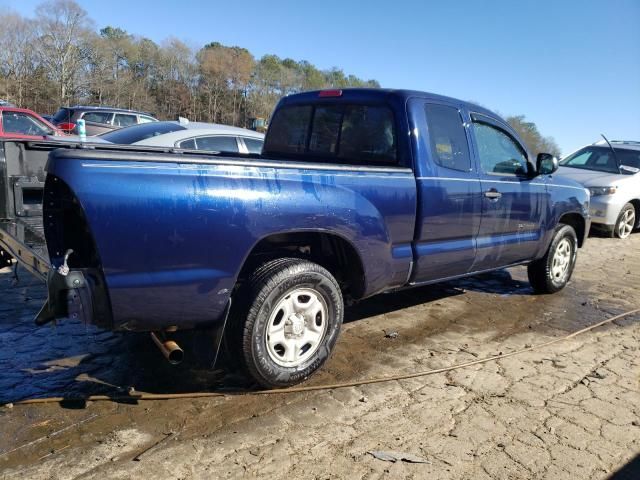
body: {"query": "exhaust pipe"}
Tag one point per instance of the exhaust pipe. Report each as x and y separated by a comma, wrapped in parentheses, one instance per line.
(170, 349)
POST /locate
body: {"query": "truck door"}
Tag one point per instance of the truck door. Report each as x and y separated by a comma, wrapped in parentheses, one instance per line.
(512, 200)
(449, 196)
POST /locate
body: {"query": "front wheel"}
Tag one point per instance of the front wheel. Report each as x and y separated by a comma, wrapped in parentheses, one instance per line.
(291, 317)
(626, 221)
(553, 271)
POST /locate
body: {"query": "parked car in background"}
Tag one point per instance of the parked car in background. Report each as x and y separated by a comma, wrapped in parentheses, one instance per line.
(612, 175)
(189, 136)
(6, 103)
(99, 119)
(25, 124)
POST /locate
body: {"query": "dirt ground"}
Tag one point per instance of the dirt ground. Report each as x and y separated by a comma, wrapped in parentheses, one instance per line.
(569, 411)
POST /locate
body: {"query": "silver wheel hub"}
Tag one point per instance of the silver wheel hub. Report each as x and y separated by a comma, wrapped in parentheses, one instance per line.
(561, 260)
(627, 222)
(296, 327)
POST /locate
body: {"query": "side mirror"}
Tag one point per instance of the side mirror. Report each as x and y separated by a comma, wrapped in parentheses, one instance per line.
(546, 164)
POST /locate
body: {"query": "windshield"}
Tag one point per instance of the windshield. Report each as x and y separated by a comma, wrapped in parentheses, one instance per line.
(135, 133)
(22, 123)
(601, 159)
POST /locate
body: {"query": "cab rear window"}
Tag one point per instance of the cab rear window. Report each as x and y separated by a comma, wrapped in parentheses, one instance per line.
(337, 133)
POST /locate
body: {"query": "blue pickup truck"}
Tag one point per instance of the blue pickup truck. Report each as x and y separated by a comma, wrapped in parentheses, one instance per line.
(356, 192)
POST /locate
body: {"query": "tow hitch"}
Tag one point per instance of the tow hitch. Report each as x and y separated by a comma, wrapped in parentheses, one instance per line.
(69, 295)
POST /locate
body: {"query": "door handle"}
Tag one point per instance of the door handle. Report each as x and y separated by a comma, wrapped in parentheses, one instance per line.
(492, 194)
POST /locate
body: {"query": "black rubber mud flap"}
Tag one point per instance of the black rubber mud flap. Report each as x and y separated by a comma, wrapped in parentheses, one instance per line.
(69, 296)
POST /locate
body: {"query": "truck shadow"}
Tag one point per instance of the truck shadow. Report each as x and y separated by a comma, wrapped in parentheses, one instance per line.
(630, 471)
(496, 283)
(72, 360)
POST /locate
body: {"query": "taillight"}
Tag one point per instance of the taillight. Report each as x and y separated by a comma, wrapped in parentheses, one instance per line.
(67, 126)
(330, 93)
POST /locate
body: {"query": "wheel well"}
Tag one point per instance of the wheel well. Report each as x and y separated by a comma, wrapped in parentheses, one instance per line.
(577, 222)
(330, 251)
(636, 204)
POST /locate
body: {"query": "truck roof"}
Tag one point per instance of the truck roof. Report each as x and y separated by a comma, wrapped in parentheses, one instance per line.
(379, 93)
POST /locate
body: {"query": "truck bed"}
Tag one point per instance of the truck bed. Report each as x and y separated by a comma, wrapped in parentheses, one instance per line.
(23, 238)
(22, 175)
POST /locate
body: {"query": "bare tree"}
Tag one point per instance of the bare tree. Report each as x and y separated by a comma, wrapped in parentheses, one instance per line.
(532, 137)
(59, 57)
(63, 27)
(17, 55)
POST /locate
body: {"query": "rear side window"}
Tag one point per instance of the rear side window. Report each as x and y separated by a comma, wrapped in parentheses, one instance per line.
(340, 133)
(449, 147)
(97, 117)
(123, 120)
(218, 144)
(254, 145)
(188, 144)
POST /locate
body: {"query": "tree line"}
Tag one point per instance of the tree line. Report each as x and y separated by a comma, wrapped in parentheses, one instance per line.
(59, 58)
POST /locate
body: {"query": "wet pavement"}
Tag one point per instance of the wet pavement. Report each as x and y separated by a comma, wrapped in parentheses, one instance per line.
(442, 324)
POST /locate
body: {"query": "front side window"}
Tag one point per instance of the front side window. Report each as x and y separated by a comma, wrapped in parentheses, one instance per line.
(217, 144)
(340, 133)
(499, 153)
(146, 119)
(24, 124)
(97, 117)
(124, 120)
(449, 147)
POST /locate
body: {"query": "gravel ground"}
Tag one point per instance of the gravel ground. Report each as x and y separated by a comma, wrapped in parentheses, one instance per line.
(567, 411)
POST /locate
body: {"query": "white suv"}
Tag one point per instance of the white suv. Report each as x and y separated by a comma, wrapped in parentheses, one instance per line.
(611, 172)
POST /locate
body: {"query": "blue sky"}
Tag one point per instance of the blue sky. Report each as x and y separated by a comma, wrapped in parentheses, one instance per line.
(571, 66)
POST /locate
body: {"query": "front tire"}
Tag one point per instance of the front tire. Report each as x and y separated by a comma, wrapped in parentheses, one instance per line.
(291, 311)
(552, 272)
(626, 222)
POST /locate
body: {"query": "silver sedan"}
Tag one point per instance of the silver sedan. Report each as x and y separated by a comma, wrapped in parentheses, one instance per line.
(612, 175)
(189, 136)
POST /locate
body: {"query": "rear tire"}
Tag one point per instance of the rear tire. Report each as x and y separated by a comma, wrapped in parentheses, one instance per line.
(552, 272)
(288, 320)
(626, 222)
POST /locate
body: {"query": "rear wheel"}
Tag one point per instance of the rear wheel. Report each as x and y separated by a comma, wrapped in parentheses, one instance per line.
(626, 221)
(553, 271)
(291, 312)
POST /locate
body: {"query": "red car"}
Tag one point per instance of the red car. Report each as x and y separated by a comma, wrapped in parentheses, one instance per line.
(25, 124)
